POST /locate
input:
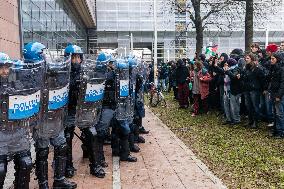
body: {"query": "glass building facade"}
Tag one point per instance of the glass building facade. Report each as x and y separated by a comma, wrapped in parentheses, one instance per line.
(53, 23)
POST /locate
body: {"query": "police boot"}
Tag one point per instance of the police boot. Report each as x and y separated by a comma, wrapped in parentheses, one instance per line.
(95, 164)
(84, 146)
(132, 146)
(142, 130)
(23, 167)
(60, 182)
(137, 138)
(42, 167)
(3, 170)
(125, 151)
(69, 135)
(101, 152)
(115, 142)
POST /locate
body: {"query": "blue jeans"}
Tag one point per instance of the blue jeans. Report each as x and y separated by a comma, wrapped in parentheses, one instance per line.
(279, 116)
(232, 107)
(252, 99)
(266, 107)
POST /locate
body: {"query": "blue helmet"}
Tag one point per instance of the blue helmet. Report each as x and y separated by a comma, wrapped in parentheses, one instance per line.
(73, 49)
(33, 51)
(121, 64)
(132, 61)
(18, 63)
(103, 57)
(4, 59)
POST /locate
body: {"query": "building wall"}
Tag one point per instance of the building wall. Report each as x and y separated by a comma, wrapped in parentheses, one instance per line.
(9, 28)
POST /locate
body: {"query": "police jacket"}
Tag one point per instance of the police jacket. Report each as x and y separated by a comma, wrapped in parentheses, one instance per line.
(74, 88)
(110, 91)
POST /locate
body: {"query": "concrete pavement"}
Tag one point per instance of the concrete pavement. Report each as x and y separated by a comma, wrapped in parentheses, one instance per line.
(164, 162)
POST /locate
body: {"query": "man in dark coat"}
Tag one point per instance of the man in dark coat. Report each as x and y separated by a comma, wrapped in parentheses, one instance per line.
(182, 75)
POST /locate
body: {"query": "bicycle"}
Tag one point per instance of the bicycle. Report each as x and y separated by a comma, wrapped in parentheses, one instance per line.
(156, 96)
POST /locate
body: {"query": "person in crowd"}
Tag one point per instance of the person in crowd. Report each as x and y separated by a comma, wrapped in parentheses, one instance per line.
(232, 92)
(182, 75)
(255, 48)
(163, 74)
(200, 89)
(220, 81)
(252, 79)
(276, 89)
(266, 110)
(172, 80)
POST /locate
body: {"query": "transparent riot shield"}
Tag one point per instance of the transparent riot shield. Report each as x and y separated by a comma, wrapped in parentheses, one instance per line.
(123, 109)
(20, 91)
(133, 71)
(92, 86)
(55, 96)
(141, 81)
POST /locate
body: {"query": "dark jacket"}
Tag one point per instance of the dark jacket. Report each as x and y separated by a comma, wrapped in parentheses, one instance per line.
(276, 86)
(182, 74)
(252, 79)
(74, 88)
(235, 86)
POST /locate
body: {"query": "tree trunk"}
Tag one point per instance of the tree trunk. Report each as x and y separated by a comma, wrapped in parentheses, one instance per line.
(199, 28)
(249, 25)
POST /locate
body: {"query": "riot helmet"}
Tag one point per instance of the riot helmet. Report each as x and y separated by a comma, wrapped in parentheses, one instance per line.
(76, 53)
(34, 52)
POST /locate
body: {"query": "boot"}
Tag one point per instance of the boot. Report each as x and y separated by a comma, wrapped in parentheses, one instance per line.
(23, 167)
(69, 169)
(42, 167)
(139, 139)
(133, 147)
(95, 164)
(115, 142)
(125, 151)
(141, 130)
(3, 170)
(60, 182)
(101, 154)
(84, 146)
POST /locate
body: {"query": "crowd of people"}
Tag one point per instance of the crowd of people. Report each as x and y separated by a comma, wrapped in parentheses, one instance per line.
(249, 84)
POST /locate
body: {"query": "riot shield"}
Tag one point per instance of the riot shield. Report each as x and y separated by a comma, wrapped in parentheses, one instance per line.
(91, 93)
(55, 96)
(140, 86)
(20, 92)
(123, 109)
(133, 71)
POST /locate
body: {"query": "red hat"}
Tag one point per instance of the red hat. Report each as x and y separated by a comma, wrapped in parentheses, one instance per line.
(272, 48)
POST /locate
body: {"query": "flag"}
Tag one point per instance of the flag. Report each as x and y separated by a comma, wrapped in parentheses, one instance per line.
(211, 50)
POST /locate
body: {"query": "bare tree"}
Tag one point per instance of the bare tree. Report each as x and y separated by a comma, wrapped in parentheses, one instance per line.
(224, 15)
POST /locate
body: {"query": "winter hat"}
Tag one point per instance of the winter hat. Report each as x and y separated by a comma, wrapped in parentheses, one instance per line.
(180, 62)
(202, 57)
(278, 56)
(272, 48)
(237, 54)
(232, 62)
(226, 57)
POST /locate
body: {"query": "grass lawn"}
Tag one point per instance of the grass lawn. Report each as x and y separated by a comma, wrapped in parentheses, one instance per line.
(241, 157)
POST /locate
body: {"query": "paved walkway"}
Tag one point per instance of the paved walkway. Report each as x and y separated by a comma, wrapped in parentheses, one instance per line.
(163, 163)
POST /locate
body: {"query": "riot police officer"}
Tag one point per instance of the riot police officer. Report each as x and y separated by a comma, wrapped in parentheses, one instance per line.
(120, 126)
(51, 129)
(91, 91)
(132, 61)
(76, 54)
(18, 104)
